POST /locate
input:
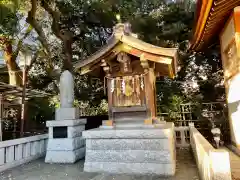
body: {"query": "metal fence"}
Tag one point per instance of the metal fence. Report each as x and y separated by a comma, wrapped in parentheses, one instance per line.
(203, 115)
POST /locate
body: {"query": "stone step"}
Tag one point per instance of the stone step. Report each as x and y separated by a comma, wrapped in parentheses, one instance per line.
(129, 144)
(165, 132)
(133, 125)
(130, 168)
(130, 156)
(130, 123)
(136, 120)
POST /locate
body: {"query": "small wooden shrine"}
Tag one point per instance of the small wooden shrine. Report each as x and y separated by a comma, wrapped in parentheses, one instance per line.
(129, 67)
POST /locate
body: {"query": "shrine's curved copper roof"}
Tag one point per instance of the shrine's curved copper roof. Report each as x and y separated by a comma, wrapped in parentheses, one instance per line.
(211, 15)
(133, 46)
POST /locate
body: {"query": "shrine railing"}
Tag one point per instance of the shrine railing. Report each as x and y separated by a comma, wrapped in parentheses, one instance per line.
(127, 90)
(19, 151)
(182, 136)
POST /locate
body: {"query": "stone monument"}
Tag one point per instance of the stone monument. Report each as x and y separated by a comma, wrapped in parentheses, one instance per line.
(65, 143)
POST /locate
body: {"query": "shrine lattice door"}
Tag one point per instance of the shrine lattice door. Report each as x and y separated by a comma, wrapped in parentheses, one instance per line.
(128, 91)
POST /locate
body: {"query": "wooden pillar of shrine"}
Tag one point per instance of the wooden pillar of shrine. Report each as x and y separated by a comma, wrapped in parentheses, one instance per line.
(150, 81)
(106, 69)
(150, 89)
(230, 52)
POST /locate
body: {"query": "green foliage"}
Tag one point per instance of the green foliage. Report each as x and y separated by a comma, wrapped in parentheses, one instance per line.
(155, 21)
(86, 107)
(39, 110)
(8, 8)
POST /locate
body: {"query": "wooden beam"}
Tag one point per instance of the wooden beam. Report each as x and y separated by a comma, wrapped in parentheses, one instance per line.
(144, 62)
(151, 57)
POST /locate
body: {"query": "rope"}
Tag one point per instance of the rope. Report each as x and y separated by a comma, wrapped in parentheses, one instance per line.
(122, 77)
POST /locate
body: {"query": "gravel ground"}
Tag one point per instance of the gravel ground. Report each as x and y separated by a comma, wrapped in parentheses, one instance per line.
(38, 170)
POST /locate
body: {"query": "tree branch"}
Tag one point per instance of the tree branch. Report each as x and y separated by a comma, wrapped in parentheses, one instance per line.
(65, 36)
(56, 18)
(31, 19)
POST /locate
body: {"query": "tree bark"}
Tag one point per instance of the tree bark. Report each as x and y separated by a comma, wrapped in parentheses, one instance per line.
(13, 69)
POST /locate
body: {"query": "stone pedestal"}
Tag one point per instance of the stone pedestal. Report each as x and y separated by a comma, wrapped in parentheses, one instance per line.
(65, 144)
(139, 150)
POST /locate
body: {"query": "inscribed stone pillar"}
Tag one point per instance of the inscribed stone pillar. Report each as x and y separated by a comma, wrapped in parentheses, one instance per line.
(66, 89)
(66, 110)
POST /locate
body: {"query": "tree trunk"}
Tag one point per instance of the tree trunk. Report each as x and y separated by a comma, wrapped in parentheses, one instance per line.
(67, 63)
(13, 69)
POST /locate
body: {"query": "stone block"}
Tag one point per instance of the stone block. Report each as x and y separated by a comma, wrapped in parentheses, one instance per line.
(66, 144)
(131, 168)
(130, 156)
(2, 155)
(65, 156)
(66, 114)
(27, 150)
(129, 144)
(34, 148)
(9, 154)
(18, 152)
(75, 122)
(75, 131)
(42, 148)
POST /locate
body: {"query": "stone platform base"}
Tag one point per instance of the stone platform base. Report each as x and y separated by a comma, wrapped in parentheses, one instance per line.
(131, 168)
(70, 147)
(131, 150)
(65, 156)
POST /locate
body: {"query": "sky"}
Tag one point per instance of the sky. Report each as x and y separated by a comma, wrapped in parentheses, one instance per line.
(1, 58)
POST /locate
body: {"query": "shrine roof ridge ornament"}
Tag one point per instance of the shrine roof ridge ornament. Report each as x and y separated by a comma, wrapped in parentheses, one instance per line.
(123, 39)
(210, 17)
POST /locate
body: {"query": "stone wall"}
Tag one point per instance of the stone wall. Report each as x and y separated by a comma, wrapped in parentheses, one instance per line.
(19, 151)
(212, 164)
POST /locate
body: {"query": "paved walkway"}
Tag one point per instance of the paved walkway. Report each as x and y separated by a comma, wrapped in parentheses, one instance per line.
(38, 170)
